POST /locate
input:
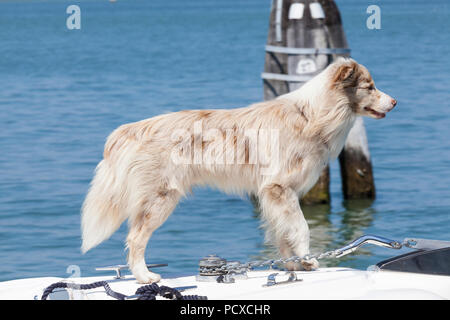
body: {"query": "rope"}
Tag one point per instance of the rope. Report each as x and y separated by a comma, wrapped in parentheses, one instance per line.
(147, 292)
(94, 285)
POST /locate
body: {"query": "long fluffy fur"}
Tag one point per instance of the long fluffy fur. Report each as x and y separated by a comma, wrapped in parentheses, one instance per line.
(139, 181)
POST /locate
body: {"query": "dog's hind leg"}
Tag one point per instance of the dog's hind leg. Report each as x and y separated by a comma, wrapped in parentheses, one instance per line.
(141, 228)
(286, 223)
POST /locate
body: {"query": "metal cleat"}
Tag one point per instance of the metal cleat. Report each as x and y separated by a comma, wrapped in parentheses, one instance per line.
(118, 268)
(272, 281)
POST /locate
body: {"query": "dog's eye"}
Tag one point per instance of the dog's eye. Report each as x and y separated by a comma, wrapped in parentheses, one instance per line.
(370, 88)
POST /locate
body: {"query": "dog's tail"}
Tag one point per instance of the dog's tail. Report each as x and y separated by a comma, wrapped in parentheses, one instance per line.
(106, 205)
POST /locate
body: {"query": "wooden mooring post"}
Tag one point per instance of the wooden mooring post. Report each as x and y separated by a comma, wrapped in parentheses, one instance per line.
(304, 37)
(356, 166)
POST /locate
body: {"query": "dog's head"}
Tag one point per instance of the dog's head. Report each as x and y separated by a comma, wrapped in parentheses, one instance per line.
(355, 82)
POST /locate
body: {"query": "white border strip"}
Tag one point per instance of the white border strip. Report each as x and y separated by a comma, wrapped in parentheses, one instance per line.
(298, 51)
(285, 77)
(278, 36)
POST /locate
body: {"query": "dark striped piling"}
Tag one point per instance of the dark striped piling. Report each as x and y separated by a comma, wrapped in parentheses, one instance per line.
(304, 37)
(356, 166)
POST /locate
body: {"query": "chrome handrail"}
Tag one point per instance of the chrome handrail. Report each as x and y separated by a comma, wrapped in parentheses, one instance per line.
(372, 239)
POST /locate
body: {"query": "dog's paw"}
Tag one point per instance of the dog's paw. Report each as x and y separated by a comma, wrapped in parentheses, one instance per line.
(310, 264)
(148, 277)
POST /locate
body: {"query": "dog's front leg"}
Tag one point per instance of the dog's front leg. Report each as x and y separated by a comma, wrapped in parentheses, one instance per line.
(286, 223)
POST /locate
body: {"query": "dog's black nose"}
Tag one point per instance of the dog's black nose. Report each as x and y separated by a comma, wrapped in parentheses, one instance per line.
(394, 102)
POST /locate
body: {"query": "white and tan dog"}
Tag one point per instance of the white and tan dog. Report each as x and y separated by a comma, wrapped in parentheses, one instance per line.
(275, 150)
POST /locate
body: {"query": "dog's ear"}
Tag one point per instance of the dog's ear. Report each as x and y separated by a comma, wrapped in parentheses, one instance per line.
(346, 73)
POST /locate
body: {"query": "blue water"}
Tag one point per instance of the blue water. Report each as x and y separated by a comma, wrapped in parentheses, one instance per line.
(63, 91)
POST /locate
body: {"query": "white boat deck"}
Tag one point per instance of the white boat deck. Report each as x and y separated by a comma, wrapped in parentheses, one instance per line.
(325, 283)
